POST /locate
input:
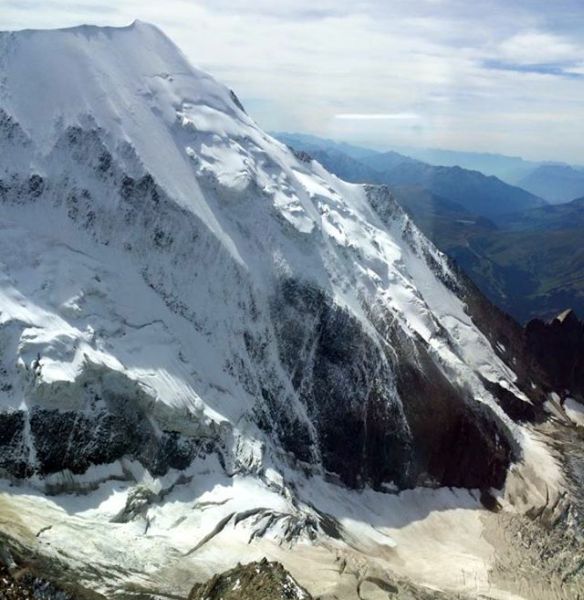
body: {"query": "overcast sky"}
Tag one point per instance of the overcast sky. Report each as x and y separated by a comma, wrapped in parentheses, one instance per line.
(504, 76)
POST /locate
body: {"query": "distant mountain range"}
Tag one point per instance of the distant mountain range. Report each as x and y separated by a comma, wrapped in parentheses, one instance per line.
(508, 168)
(484, 195)
(554, 182)
(526, 255)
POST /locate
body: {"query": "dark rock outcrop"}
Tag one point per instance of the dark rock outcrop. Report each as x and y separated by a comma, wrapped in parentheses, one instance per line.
(261, 580)
(74, 441)
(558, 347)
(453, 442)
(22, 584)
(371, 407)
(107, 425)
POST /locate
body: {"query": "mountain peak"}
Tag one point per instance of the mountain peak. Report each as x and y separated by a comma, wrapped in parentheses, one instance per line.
(131, 82)
(86, 29)
(566, 316)
(86, 68)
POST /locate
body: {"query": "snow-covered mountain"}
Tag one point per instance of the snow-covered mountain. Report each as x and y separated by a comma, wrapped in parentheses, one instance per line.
(212, 350)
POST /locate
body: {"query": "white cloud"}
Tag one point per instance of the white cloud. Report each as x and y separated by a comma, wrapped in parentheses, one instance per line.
(378, 116)
(537, 47)
(577, 69)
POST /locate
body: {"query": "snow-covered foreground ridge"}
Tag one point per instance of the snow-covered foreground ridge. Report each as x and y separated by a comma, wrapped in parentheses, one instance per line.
(208, 335)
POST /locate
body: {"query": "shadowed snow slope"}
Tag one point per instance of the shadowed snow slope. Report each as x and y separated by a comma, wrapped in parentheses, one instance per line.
(206, 334)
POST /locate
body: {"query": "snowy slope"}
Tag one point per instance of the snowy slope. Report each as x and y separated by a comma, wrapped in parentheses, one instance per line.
(189, 308)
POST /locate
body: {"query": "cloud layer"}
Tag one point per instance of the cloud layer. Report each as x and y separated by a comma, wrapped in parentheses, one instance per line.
(497, 76)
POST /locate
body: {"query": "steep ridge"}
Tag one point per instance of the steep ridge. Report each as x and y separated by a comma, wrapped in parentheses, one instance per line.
(204, 335)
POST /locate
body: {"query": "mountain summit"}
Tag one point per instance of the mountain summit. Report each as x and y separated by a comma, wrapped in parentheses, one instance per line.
(223, 350)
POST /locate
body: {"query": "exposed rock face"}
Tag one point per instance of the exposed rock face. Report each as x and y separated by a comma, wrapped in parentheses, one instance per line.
(21, 584)
(364, 436)
(111, 422)
(14, 451)
(330, 359)
(558, 347)
(255, 581)
(88, 439)
(508, 340)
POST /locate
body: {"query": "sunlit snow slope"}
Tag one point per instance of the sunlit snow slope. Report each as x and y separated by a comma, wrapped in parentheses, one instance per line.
(203, 332)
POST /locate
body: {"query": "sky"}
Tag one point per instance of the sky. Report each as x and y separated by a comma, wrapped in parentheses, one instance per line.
(504, 76)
